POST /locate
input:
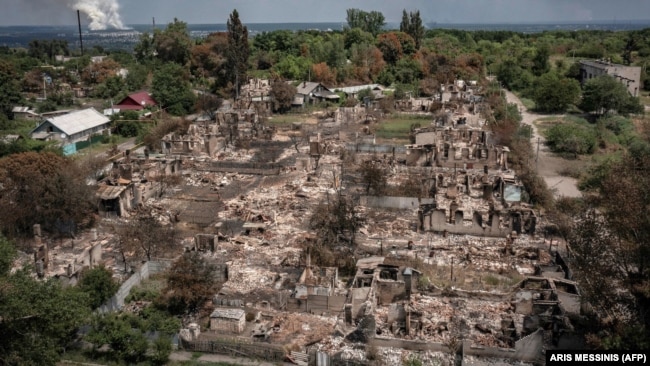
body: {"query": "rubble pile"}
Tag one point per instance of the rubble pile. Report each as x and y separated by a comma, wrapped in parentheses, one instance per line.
(249, 212)
(301, 329)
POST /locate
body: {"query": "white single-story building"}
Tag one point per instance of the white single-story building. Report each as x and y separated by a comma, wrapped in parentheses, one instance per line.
(72, 127)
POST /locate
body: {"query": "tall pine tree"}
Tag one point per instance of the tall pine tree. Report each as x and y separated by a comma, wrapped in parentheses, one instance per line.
(238, 51)
(412, 25)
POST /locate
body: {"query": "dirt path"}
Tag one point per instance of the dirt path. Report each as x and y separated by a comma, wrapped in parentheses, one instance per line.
(547, 163)
(212, 359)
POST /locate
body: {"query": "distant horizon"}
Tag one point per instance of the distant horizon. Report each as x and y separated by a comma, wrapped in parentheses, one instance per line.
(546, 22)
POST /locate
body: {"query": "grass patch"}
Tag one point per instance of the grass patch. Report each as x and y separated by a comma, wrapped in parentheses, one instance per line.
(545, 123)
(645, 98)
(528, 103)
(286, 119)
(398, 127)
(147, 290)
(468, 279)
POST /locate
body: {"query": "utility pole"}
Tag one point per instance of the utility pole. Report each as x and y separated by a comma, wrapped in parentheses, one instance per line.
(452, 270)
(537, 157)
(81, 40)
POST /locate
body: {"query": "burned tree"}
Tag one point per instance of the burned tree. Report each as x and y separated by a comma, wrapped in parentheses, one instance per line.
(282, 94)
(145, 237)
(373, 177)
(336, 221)
(43, 188)
(208, 104)
(190, 283)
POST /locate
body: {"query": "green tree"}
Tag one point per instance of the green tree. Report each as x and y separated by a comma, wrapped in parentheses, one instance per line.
(371, 22)
(604, 93)
(127, 343)
(172, 44)
(293, 67)
(144, 50)
(38, 319)
(554, 94)
(110, 88)
(357, 36)
(171, 88)
(10, 90)
(571, 138)
(136, 78)
(99, 284)
(412, 25)
(162, 348)
(610, 251)
(45, 50)
(540, 61)
(7, 256)
(238, 51)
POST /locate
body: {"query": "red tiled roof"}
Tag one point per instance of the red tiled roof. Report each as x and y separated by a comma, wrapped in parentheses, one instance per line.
(142, 99)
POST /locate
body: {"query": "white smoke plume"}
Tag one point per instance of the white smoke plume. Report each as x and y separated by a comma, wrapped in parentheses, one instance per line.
(103, 14)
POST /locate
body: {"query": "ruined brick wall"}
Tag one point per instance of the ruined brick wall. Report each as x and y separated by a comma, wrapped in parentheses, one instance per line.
(390, 291)
(227, 324)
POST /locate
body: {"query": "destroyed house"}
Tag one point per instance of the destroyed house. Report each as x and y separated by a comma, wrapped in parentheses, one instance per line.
(460, 147)
(316, 281)
(629, 76)
(379, 283)
(115, 199)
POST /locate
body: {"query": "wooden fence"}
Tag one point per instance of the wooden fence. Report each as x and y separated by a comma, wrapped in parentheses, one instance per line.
(237, 348)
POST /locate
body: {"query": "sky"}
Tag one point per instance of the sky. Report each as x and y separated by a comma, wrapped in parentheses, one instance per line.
(55, 12)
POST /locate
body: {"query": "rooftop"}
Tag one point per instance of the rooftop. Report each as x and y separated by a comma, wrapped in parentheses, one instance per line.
(78, 121)
(228, 313)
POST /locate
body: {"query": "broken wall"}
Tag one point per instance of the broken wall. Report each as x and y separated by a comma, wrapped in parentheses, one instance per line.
(317, 304)
(116, 302)
(389, 292)
(375, 148)
(436, 220)
(243, 168)
(401, 203)
(527, 349)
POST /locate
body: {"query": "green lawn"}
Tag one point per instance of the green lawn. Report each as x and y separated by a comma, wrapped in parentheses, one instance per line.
(398, 127)
(284, 120)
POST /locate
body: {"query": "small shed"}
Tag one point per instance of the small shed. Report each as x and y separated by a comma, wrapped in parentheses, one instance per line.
(230, 320)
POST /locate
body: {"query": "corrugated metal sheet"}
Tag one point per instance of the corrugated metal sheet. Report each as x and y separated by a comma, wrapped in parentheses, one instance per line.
(110, 192)
(78, 121)
(322, 359)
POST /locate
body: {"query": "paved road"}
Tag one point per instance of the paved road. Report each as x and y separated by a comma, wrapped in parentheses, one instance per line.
(547, 163)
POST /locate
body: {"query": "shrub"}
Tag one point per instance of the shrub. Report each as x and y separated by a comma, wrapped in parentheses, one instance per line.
(571, 138)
